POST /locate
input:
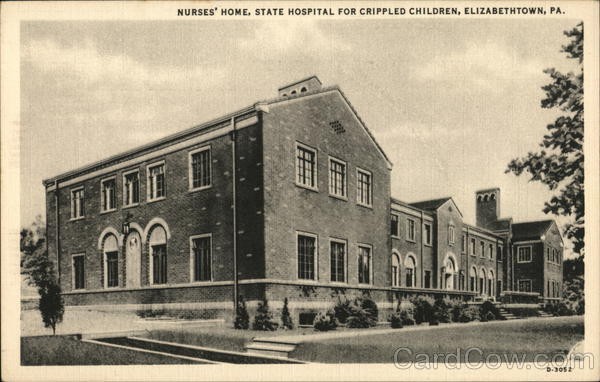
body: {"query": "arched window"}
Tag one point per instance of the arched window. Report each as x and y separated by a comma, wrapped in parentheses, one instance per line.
(485, 198)
(158, 255)
(490, 288)
(411, 271)
(395, 270)
(303, 90)
(482, 281)
(110, 250)
(449, 272)
(473, 279)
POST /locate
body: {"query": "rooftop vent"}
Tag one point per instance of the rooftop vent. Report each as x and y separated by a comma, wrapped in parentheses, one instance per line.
(306, 85)
(337, 127)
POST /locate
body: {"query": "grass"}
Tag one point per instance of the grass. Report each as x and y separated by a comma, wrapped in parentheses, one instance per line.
(522, 337)
(67, 350)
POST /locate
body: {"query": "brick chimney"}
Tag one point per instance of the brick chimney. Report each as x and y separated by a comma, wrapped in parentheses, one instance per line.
(487, 206)
(306, 85)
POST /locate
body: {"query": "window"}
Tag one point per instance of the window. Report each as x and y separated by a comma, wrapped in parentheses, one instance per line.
(201, 253)
(491, 249)
(554, 256)
(410, 265)
(200, 169)
(337, 178)
(78, 271)
(451, 233)
(395, 270)
(394, 226)
(364, 188)
(77, 203)
(472, 278)
(427, 279)
(131, 188)
(463, 248)
(472, 247)
(108, 194)
(482, 248)
(156, 181)
(306, 256)
(499, 254)
(306, 166)
(410, 230)
(427, 233)
(524, 285)
(337, 251)
(364, 265)
(111, 261)
(158, 255)
(548, 254)
(524, 255)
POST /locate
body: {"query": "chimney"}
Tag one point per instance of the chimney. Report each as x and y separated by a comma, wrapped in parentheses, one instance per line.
(309, 84)
(487, 206)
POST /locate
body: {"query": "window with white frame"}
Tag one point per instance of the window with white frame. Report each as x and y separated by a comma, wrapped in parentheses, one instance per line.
(524, 254)
(306, 166)
(472, 247)
(395, 228)
(77, 203)
(427, 236)
(131, 188)
(201, 257)
(156, 181)
(410, 230)
(554, 256)
(411, 271)
(337, 249)
(395, 270)
(108, 194)
(307, 253)
(337, 178)
(364, 264)
(451, 233)
(491, 250)
(482, 248)
(524, 285)
(111, 261)
(158, 255)
(200, 168)
(364, 188)
(78, 267)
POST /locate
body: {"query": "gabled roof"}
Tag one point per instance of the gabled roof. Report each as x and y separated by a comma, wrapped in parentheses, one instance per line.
(430, 205)
(530, 230)
(501, 224)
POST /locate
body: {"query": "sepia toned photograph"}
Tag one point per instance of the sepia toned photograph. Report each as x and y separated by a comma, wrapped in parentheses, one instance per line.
(303, 185)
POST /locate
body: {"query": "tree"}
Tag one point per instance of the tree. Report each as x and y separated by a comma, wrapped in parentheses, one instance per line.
(39, 269)
(559, 163)
(286, 319)
(242, 320)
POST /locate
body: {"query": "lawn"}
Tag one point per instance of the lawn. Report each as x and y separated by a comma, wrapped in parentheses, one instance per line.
(532, 336)
(67, 350)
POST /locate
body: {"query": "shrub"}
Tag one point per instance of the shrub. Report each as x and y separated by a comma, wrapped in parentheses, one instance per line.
(469, 313)
(325, 321)
(489, 307)
(396, 320)
(423, 308)
(360, 318)
(361, 312)
(286, 319)
(440, 311)
(370, 308)
(242, 320)
(490, 316)
(342, 309)
(264, 319)
(563, 309)
(51, 306)
(406, 315)
(454, 309)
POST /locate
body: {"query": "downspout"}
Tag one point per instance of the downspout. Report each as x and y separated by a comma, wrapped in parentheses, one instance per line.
(233, 165)
(423, 246)
(57, 233)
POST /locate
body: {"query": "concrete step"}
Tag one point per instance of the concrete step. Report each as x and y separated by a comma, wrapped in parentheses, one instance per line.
(271, 347)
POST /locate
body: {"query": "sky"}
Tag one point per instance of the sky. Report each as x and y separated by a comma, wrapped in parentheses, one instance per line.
(450, 101)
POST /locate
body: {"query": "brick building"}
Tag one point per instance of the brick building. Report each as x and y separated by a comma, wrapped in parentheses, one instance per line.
(289, 197)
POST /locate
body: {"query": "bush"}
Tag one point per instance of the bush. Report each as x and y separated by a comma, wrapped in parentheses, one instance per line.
(264, 319)
(370, 307)
(563, 309)
(360, 318)
(490, 316)
(423, 308)
(406, 315)
(489, 307)
(396, 320)
(440, 311)
(242, 319)
(51, 306)
(361, 312)
(342, 309)
(469, 313)
(455, 307)
(325, 321)
(286, 319)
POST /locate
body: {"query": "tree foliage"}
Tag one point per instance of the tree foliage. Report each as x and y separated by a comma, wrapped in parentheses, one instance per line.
(559, 162)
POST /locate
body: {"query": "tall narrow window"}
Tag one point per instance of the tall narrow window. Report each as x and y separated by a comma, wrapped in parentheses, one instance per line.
(108, 194)
(306, 166)
(410, 230)
(548, 253)
(337, 178)
(77, 203)
(394, 226)
(472, 247)
(158, 255)
(156, 181)
(78, 272)
(410, 266)
(111, 261)
(482, 248)
(491, 249)
(499, 254)
(364, 265)
(463, 247)
(201, 258)
(427, 279)
(338, 261)
(524, 255)
(306, 256)
(200, 169)
(395, 270)
(427, 238)
(472, 279)
(131, 188)
(364, 188)
(451, 233)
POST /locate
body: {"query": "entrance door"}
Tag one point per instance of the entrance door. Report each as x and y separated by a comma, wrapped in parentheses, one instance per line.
(133, 254)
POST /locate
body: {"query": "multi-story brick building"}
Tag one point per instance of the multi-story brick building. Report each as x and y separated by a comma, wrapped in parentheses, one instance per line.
(289, 197)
